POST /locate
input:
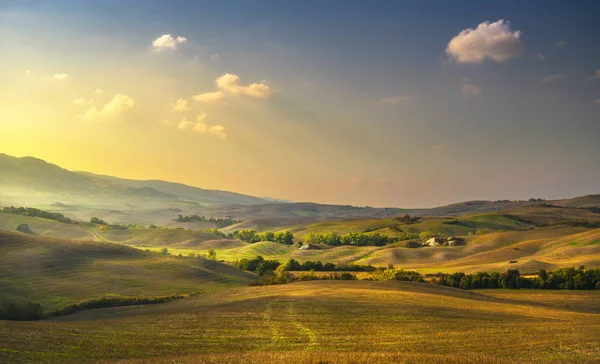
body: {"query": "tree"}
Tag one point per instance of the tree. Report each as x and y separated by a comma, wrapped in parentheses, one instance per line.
(98, 221)
(212, 254)
(164, 251)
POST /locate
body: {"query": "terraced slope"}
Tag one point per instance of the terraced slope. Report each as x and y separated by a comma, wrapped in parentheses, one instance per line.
(322, 321)
(56, 272)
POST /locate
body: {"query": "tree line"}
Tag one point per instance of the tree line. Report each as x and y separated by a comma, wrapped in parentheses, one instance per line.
(562, 278)
(220, 222)
(252, 236)
(357, 239)
(30, 211)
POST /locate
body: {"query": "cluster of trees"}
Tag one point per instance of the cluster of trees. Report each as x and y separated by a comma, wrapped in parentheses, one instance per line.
(98, 221)
(407, 219)
(563, 278)
(282, 276)
(251, 236)
(399, 274)
(258, 265)
(30, 211)
(21, 311)
(220, 222)
(294, 265)
(357, 239)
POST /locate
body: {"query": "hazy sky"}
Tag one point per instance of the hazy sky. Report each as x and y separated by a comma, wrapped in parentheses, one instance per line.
(398, 103)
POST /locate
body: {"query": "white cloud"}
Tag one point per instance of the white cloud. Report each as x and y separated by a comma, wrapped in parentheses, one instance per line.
(166, 41)
(201, 127)
(396, 99)
(210, 97)
(232, 84)
(471, 90)
(561, 43)
(115, 107)
(60, 76)
(181, 105)
(596, 75)
(495, 41)
(82, 101)
(214, 56)
(98, 92)
(553, 78)
(541, 56)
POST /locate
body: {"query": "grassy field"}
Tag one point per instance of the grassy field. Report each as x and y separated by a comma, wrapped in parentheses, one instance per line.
(322, 321)
(57, 272)
(44, 227)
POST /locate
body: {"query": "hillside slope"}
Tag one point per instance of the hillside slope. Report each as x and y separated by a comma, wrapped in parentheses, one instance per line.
(57, 272)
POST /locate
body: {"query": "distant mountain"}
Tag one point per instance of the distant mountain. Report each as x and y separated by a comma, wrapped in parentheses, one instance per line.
(209, 197)
(33, 181)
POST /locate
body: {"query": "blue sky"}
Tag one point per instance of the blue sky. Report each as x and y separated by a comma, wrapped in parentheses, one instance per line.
(363, 105)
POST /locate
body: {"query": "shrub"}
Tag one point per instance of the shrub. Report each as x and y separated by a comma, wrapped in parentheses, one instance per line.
(21, 311)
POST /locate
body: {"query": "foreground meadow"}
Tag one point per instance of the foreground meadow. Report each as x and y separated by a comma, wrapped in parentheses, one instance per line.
(322, 321)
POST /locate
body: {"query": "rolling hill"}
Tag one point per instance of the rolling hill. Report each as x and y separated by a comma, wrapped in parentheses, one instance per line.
(57, 272)
(34, 182)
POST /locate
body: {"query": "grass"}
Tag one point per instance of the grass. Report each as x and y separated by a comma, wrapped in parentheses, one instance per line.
(58, 272)
(321, 321)
(44, 227)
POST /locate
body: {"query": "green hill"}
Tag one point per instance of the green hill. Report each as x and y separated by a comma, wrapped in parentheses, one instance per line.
(57, 272)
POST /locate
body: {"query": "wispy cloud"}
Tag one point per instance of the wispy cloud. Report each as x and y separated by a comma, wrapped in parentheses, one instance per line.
(210, 97)
(541, 56)
(60, 76)
(552, 78)
(82, 101)
(561, 43)
(494, 41)
(396, 99)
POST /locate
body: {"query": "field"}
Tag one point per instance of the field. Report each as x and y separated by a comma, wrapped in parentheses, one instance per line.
(326, 321)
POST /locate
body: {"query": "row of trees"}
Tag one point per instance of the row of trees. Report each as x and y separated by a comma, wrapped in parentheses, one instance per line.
(357, 239)
(251, 236)
(220, 222)
(30, 211)
(563, 278)
(294, 265)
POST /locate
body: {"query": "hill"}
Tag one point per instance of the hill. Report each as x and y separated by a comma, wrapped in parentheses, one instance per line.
(324, 321)
(57, 272)
(200, 195)
(34, 182)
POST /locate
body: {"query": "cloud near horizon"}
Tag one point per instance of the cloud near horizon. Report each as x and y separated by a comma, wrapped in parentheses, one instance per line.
(167, 41)
(494, 41)
(210, 97)
(118, 105)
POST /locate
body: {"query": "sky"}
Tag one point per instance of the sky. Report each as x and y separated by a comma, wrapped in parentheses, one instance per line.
(385, 103)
